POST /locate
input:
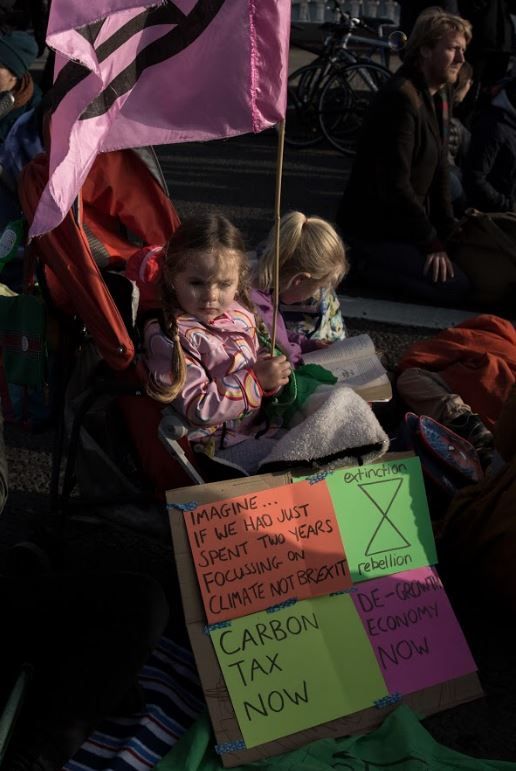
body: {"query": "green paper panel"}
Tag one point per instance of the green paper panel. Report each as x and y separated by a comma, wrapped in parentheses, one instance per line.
(297, 667)
(383, 517)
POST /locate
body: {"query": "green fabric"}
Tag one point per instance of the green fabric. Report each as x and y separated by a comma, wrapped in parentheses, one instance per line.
(400, 743)
(303, 382)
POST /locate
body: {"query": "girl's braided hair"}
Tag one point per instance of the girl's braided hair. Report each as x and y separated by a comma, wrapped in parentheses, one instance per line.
(209, 232)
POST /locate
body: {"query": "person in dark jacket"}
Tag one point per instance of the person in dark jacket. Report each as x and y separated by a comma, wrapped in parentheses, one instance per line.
(396, 211)
(490, 168)
(18, 92)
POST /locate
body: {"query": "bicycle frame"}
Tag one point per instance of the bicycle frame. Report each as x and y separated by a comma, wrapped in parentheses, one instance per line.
(307, 83)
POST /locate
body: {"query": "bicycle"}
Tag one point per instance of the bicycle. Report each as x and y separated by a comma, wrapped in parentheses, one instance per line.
(306, 85)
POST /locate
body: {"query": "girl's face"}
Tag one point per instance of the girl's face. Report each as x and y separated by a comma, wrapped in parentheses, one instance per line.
(208, 285)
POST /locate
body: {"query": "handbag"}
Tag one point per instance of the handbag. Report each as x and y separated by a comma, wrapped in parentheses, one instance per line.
(23, 338)
(448, 460)
(485, 249)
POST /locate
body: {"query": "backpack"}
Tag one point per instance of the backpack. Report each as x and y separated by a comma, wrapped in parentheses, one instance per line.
(485, 249)
(449, 461)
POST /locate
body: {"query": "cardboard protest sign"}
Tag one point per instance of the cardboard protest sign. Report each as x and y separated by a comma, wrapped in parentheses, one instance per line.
(255, 551)
(383, 517)
(297, 667)
(414, 632)
(231, 745)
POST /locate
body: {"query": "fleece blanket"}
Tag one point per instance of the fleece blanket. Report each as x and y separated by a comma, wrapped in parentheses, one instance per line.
(333, 424)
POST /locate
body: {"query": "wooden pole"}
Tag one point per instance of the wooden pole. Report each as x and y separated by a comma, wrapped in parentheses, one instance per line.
(277, 217)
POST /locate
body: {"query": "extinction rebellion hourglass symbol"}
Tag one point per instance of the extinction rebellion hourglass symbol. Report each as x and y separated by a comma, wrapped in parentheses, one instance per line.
(387, 536)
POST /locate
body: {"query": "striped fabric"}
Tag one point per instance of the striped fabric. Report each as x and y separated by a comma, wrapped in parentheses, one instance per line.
(174, 701)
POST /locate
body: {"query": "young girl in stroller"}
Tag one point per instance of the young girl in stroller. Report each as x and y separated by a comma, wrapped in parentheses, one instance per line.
(204, 353)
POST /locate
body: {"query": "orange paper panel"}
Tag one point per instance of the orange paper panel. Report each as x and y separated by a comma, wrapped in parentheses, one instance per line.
(256, 551)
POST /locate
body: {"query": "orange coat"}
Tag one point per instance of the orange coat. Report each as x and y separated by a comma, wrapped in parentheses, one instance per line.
(476, 359)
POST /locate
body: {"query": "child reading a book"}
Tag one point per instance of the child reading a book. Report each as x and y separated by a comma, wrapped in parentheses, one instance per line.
(204, 355)
(312, 261)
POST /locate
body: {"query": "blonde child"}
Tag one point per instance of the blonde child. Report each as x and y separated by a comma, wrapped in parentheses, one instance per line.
(312, 262)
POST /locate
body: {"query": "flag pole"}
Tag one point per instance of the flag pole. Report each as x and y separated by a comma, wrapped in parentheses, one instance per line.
(277, 217)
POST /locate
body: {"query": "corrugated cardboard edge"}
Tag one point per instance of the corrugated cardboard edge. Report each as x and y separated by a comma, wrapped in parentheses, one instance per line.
(426, 702)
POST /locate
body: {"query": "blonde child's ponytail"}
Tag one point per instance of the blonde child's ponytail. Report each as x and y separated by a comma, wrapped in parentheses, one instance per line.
(307, 245)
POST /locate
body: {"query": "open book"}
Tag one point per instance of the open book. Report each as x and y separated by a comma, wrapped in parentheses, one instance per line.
(355, 363)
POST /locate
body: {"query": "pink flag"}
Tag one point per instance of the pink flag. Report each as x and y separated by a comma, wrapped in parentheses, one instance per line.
(137, 73)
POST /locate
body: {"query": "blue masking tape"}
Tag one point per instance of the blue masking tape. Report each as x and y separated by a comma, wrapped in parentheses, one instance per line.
(219, 625)
(221, 749)
(351, 590)
(281, 605)
(190, 506)
(392, 698)
(317, 477)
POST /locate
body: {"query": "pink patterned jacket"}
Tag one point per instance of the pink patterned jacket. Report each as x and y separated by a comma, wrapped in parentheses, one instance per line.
(221, 395)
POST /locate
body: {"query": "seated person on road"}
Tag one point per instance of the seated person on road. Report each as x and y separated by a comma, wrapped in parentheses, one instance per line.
(490, 169)
(18, 92)
(396, 212)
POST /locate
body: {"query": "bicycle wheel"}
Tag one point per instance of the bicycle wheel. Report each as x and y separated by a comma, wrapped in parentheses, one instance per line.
(345, 100)
(302, 127)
